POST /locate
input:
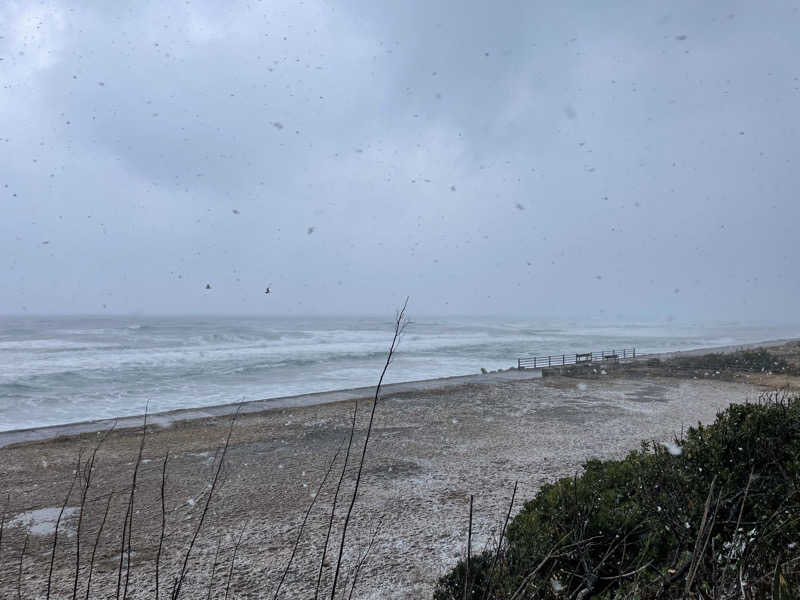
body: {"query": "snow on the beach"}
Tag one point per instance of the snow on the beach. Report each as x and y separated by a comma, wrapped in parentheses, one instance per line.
(43, 521)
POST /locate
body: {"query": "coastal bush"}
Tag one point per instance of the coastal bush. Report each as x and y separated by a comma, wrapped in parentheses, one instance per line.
(480, 576)
(713, 515)
(752, 361)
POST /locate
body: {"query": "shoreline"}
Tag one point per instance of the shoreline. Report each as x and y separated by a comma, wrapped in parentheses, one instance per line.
(165, 419)
(430, 451)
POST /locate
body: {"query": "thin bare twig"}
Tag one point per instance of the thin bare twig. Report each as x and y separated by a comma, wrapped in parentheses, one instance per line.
(399, 325)
(133, 493)
(700, 535)
(86, 482)
(58, 522)
(469, 552)
(500, 543)
(744, 499)
(303, 524)
(163, 518)
(363, 557)
(521, 588)
(179, 583)
(335, 499)
(214, 567)
(19, 572)
(233, 559)
(122, 549)
(96, 543)
(2, 524)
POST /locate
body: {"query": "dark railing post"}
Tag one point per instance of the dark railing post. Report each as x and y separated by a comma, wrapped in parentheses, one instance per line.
(519, 364)
(634, 353)
(534, 362)
(548, 361)
(562, 360)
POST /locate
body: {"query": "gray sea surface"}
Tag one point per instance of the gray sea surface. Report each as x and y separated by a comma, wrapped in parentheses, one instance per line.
(56, 370)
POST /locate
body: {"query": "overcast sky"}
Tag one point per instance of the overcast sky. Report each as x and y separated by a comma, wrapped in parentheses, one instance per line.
(590, 159)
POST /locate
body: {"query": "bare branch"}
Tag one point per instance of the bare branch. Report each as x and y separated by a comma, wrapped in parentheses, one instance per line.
(19, 572)
(96, 543)
(214, 567)
(335, 499)
(500, 543)
(363, 558)
(233, 559)
(133, 493)
(177, 588)
(469, 552)
(305, 519)
(163, 518)
(58, 522)
(399, 325)
(86, 482)
(3, 523)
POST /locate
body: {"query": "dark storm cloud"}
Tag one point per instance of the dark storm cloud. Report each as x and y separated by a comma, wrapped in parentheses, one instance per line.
(160, 148)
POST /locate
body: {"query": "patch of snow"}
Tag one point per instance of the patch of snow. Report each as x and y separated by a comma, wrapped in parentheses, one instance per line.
(161, 421)
(43, 521)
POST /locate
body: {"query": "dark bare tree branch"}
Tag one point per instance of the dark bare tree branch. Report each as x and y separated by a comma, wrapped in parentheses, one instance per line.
(467, 591)
(133, 493)
(399, 325)
(96, 543)
(500, 543)
(58, 522)
(19, 572)
(214, 567)
(86, 482)
(303, 524)
(179, 582)
(335, 499)
(233, 559)
(163, 519)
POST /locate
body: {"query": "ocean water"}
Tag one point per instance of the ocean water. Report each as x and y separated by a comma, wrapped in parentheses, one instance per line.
(65, 369)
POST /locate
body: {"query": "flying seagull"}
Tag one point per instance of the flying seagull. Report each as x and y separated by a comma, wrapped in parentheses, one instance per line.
(268, 290)
(208, 286)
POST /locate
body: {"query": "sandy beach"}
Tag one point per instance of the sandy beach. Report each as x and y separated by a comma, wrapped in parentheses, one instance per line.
(431, 448)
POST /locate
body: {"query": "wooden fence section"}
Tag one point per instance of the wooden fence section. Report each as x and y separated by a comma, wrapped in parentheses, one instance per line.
(558, 360)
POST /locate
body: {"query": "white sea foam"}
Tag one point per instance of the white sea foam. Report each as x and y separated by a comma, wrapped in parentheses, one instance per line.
(61, 370)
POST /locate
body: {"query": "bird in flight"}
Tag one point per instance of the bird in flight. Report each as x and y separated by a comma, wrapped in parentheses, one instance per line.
(208, 286)
(268, 290)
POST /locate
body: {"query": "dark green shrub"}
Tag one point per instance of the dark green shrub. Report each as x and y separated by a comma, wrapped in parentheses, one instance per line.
(714, 511)
(451, 586)
(752, 361)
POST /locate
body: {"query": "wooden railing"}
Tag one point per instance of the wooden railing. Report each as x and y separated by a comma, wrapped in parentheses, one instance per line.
(558, 360)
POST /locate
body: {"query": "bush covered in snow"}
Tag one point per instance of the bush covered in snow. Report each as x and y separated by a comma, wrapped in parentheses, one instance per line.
(713, 515)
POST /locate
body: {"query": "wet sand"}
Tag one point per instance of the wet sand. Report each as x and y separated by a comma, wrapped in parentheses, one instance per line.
(430, 450)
